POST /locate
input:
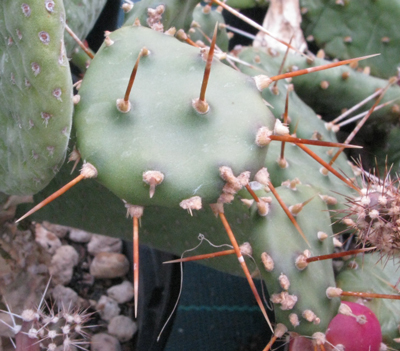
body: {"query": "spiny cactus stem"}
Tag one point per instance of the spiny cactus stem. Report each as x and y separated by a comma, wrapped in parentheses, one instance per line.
(291, 139)
(136, 262)
(300, 72)
(254, 24)
(87, 171)
(392, 81)
(202, 257)
(244, 266)
(329, 167)
(73, 35)
(287, 211)
(201, 104)
(338, 254)
(365, 295)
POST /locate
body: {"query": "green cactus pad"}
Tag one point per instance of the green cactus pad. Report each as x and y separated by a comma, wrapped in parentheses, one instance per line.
(349, 29)
(162, 131)
(36, 96)
(374, 274)
(276, 236)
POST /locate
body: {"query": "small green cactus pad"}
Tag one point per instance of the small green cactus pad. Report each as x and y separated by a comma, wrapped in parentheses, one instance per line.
(81, 16)
(275, 236)
(162, 131)
(36, 96)
(346, 29)
(162, 15)
(204, 20)
(373, 274)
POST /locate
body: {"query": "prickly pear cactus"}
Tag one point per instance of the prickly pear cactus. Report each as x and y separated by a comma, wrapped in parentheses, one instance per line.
(163, 132)
(36, 97)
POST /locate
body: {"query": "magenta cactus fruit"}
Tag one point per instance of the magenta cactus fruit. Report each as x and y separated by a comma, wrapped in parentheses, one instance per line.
(355, 327)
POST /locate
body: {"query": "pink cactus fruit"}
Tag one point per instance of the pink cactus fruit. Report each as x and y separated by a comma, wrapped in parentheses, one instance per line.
(355, 327)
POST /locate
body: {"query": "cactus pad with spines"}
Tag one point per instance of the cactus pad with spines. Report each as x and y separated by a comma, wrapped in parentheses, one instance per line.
(36, 95)
(162, 131)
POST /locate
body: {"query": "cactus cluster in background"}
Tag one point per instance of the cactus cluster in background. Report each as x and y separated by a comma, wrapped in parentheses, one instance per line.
(177, 131)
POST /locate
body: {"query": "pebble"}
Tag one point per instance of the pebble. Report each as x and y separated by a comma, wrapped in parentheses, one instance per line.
(79, 235)
(62, 264)
(109, 265)
(121, 293)
(100, 243)
(105, 342)
(122, 327)
(59, 230)
(49, 241)
(65, 297)
(107, 308)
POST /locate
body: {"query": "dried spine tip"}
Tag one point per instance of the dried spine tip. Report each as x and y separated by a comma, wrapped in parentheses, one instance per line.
(301, 261)
(262, 81)
(267, 261)
(284, 281)
(332, 292)
(262, 207)
(262, 176)
(324, 171)
(296, 209)
(247, 202)
(309, 315)
(319, 338)
(127, 6)
(294, 319)
(246, 249)
(192, 203)
(153, 178)
(107, 40)
(286, 301)
(200, 106)
(337, 243)
(76, 99)
(88, 170)
(217, 208)
(322, 236)
(280, 128)
(171, 32)
(123, 106)
(134, 211)
(263, 136)
(280, 330)
(329, 200)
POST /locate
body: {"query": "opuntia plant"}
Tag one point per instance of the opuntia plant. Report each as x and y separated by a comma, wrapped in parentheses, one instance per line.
(175, 130)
